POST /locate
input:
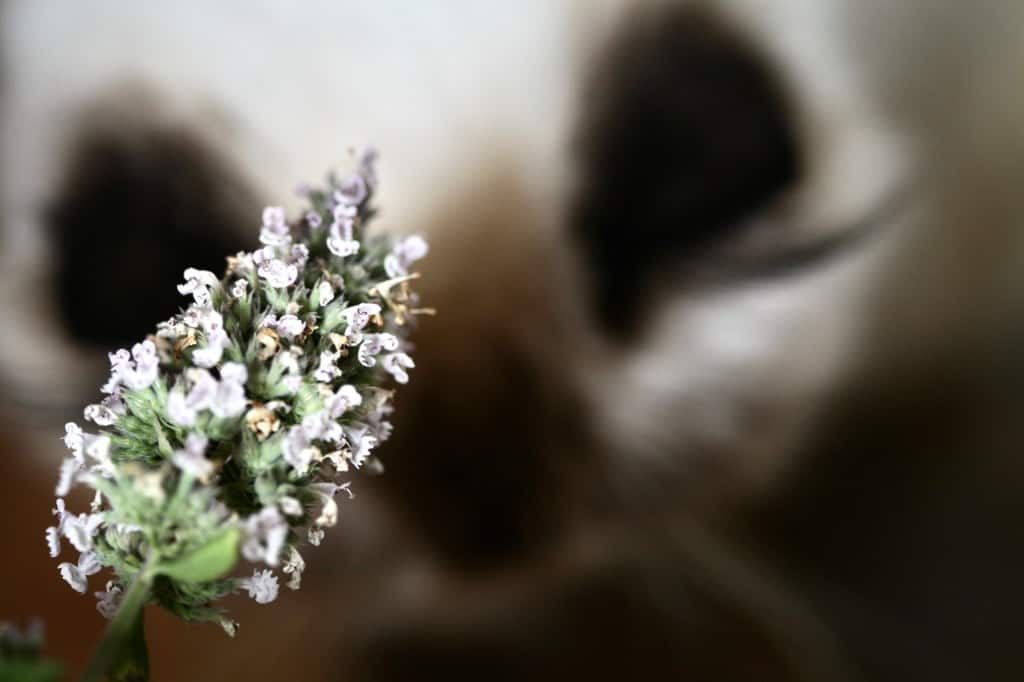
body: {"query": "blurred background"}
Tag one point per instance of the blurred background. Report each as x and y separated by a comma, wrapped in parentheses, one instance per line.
(726, 382)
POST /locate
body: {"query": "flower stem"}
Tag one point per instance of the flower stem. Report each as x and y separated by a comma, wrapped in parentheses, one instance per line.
(121, 654)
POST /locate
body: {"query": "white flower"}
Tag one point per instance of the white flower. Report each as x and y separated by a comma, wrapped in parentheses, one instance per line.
(192, 459)
(107, 602)
(291, 383)
(171, 329)
(178, 410)
(290, 506)
(209, 355)
(356, 319)
(278, 273)
(324, 293)
(329, 512)
(89, 563)
(101, 414)
(241, 263)
(343, 400)
(274, 231)
(60, 511)
(289, 326)
(144, 370)
(229, 398)
(198, 283)
(80, 529)
(181, 408)
(372, 345)
(361, 444)
(68, 469)
(404, 254)
(294, 565)
(297, 449)
(273, 216)
(216, 340)
(97, 448)
(120, 361)
(262, 586)
(193, 317)
(53, 540)
(73, 439)
(233, 372)
(239, 288)
(352, 191)
(135, 375)
(77, 575)
(339, 239)
(395, 364)
(327, 370)
(313, 425)
(265, 533)
(299, 255)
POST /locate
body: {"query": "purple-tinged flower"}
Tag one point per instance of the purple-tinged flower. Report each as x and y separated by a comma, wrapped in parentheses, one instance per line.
(352, 191)
(328, 369)
(395, 364)
(198, 283)
(275, 231)
(342, 400)
(277, 273)
(265, 533)
(262, 586)
(297, 449)
(108, 601)
(405, 253)
(374, 344)
(53, 540)
(77, 575)
(288, 326)
(192, 459)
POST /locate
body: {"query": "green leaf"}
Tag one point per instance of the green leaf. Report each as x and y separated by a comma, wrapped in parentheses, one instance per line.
(209, 561)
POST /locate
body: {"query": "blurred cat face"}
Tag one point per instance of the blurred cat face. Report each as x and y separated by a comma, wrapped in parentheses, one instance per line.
(669, 241)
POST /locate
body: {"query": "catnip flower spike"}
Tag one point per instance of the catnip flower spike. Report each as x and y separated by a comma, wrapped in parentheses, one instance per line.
(231, 431)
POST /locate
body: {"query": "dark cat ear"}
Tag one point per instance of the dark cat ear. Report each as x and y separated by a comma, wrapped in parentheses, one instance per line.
(137, 206)
(683, 133)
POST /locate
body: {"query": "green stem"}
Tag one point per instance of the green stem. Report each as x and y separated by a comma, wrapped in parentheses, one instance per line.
(124, 632)
(180, 493)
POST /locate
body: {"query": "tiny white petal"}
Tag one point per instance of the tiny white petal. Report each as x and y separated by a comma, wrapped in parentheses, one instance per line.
(53, 540)
(262, 586)
(89, 563)
(73, 576)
